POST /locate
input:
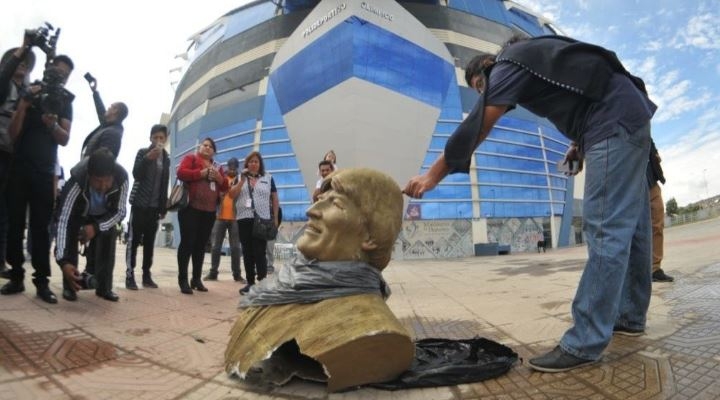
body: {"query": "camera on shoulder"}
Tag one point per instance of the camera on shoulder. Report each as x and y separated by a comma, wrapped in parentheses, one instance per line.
(52, 97)
(45, 38)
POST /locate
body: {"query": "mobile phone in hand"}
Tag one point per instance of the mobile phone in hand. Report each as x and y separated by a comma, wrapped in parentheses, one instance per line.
(569, 167)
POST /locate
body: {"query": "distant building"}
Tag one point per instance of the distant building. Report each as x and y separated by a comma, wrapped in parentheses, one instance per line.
(381, 83)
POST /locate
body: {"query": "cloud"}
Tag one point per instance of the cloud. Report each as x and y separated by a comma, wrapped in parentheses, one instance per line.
(701, 31)
(673, 94)
(690, 161)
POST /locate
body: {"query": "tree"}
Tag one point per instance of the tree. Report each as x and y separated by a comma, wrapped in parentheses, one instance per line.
(671, 207)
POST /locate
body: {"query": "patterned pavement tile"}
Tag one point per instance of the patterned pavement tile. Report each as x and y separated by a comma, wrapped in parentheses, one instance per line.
(192, 357)
(34, 388)
(14, 322)
(219, 332)
(52, 352)
(13, 363)
(130, 335)
(181, 322)
(128, 377)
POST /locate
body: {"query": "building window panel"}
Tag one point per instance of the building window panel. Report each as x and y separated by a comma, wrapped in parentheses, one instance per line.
(444, 191)
(288, 178)
(294, 212)
(509, 163)
(280, 163)
(293, 194)
(274, 134)
(276, 148)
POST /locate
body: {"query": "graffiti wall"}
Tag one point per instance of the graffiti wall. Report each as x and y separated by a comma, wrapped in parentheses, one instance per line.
(522, 234)
(421, 239)
(434, 239)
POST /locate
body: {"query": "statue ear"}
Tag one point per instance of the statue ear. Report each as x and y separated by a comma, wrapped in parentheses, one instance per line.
(368, 245)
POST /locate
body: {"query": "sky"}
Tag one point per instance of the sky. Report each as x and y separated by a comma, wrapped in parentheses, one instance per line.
(131, 48)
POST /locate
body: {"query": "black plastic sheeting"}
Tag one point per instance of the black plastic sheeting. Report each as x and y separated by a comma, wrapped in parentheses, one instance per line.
(448, 362)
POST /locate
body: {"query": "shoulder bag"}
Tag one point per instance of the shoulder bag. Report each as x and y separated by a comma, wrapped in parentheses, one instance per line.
(179, 196)
(263, 229)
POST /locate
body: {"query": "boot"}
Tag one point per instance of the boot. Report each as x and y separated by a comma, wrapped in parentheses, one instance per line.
(147, 280)
(130, 283)
(12, 287)
(211, 276)
(184, 286)
(43, 291)
(196, 283)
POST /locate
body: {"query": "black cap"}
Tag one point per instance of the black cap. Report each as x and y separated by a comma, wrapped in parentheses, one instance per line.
(233, 162)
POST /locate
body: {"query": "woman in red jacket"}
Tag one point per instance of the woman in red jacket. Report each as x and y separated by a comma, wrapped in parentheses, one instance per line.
(206, 180)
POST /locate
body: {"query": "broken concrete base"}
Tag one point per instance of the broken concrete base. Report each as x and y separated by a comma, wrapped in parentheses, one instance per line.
(355, 340)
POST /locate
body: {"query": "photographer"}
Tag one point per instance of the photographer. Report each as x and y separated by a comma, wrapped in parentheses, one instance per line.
(15, 66)
(109, 133)
(148, 199)
(91, 206)
(41, 122)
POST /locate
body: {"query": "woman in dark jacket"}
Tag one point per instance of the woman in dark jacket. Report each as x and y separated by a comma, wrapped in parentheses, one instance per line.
(205, 180)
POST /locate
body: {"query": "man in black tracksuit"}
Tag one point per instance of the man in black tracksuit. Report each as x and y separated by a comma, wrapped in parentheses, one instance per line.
(90, 207)
(148, 199)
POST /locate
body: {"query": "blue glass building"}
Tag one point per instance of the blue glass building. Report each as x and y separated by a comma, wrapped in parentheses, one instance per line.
(381, 83)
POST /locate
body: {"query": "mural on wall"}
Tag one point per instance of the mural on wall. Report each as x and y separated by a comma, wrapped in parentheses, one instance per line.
(423, 239)
(434, 239)
(522, 234)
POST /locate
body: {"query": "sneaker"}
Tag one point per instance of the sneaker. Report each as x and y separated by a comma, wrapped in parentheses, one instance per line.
(628, 331)
(245, 289)
(239, 278)
(130, 284)
(660, 276)
(558, 361)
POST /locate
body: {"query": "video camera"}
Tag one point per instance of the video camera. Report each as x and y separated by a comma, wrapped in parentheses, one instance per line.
(45, 38)
(52, 97)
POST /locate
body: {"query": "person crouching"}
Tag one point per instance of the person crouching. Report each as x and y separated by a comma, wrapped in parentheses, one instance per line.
(91, 205)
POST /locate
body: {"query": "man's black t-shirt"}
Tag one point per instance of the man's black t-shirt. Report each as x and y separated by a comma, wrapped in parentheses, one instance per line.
(36, 149)
(576, 116)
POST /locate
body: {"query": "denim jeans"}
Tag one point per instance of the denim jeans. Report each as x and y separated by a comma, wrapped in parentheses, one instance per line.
(218, 236)
(615, 286)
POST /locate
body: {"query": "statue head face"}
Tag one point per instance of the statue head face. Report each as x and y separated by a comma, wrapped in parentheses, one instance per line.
(357, 217)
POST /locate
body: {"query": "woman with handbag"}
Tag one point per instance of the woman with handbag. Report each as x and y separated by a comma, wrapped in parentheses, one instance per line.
(257, 215)
(205, 180)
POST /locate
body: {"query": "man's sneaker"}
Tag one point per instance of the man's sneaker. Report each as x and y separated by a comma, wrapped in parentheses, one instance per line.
(130, 284)
(245, 289)
(12, 287)
(661, 276)
(211, 276)
(628, 331)
(558, 361)
(238, 278)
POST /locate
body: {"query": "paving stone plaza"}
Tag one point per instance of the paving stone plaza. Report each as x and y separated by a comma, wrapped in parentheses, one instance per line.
(160, 344)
